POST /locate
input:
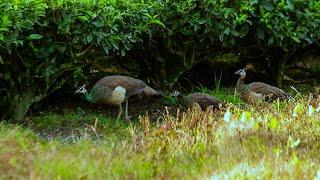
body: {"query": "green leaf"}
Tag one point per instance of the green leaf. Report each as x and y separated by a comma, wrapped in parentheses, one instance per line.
(290, 5)
(260, 33)
(77, 74)
(273, 123)
(298, 108)
(158, 23)
(296, 39)
(256, 125)
(244, 30)
(234, 32)
(226, 31)
(115, 44)
(148, 15)
(202, 21)
(4, 29)
(89, 38)
(5, 22)
(83, 18)
(98, 24)
(294, 159)
(268, 6)
(291, 143)
(221, 36)
(270, 41)
(295, 143)
(34, 37)
(105, 48)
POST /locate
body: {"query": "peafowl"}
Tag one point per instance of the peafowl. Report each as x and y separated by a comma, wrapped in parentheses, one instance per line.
(115, 89)
(257, 90)
(200, 100)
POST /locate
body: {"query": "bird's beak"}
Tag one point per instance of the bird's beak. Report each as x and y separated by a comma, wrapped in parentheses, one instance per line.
(175, 93)
(79, 89)
(238, 72)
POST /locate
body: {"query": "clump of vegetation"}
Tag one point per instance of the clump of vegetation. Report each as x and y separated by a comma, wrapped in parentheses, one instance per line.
(270, 140)
(45, 44)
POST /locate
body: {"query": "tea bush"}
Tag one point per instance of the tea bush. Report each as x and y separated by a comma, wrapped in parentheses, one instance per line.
(274, 32)
(43, 44)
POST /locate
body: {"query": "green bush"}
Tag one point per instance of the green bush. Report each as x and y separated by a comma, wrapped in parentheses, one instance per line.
(204, 30)
(43, 44)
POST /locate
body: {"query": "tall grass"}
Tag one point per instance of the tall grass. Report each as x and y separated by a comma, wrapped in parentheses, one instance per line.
(223, 94)
(279, 140)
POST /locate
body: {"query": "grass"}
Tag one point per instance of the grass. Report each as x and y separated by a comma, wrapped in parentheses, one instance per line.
(264, 141)
(224, 94)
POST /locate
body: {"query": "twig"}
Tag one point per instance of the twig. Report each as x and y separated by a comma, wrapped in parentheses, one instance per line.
(295, 89)
(161, 113)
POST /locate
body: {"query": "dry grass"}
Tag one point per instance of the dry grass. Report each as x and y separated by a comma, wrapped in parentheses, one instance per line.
(279, 140)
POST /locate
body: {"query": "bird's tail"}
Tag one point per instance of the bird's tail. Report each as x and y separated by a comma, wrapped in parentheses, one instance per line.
(151, 92)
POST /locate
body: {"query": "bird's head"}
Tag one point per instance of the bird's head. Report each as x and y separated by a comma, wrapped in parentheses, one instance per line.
(241, 72)
(175, 93)
(249, 67)
(178, 95)
(81, 90)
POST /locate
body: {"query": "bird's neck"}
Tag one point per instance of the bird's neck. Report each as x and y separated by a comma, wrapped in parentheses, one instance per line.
(240, 84)
(88, 97)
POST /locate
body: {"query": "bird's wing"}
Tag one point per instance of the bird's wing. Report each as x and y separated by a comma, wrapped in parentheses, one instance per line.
(266, 89)
(132, 86)
(204, 100)
(100, 93)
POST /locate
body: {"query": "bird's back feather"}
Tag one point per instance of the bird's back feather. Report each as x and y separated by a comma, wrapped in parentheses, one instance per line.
(132, 86)
(268, 90)
(104, 89)
(204, 100)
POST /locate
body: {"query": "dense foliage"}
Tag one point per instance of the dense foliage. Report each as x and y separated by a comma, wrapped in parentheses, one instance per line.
(43, 44)
(273, 30)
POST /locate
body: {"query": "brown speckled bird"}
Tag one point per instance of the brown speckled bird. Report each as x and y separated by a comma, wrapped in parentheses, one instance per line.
(201, 100)
(115, 89)
(257, 90)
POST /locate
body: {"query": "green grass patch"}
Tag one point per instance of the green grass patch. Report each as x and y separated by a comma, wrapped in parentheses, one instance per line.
(264, 141)
(224, 94)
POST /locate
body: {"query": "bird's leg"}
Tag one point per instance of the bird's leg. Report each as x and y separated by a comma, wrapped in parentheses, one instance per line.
(126, 111)
(120, 111)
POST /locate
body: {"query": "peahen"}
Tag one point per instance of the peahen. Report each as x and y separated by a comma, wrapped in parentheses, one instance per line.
(257, 90)
(115, 89)
(201, 100)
